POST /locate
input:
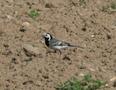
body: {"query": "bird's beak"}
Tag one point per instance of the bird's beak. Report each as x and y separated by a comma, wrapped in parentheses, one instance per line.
(44, 34)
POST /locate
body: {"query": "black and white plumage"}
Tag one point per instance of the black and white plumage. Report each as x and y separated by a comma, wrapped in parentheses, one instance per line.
(54, 43)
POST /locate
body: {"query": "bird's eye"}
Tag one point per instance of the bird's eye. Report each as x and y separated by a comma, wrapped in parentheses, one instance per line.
(47, 35)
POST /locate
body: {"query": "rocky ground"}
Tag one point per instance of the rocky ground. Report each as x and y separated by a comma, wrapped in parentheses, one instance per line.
(24, 61)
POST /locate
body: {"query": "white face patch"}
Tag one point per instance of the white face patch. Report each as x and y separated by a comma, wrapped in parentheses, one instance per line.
(48, 36)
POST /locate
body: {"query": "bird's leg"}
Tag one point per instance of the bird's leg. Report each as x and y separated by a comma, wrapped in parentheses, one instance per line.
(57, 51)
(54, 51)
(60, 52)
(49, 51)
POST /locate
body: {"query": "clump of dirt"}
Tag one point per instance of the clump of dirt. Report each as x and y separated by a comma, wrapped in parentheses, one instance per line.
(24, 63)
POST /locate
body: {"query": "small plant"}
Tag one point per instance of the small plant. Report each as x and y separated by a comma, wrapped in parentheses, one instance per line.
(109, 8)
(82, 2)
(33, 14)
(87, 83)
(113, 5)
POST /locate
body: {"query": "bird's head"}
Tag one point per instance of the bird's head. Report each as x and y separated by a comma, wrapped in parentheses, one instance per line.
(47, 36)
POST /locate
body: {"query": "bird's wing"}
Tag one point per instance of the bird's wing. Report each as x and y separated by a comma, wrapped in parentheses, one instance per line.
(61, 43)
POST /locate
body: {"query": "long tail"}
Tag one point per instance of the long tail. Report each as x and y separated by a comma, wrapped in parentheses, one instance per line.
(76, 46)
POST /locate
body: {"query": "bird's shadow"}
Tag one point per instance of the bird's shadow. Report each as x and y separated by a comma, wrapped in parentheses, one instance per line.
(57, 51)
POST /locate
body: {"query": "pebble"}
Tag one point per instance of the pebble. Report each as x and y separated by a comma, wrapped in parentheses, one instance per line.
(81, 74)
(30, 50)
(9, 17)
(27, 24)
(92, 36)
(113, 79)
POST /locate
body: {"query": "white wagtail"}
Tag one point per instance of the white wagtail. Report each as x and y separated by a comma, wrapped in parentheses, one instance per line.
(56, 44)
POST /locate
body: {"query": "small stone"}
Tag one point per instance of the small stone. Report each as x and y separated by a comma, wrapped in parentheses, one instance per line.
(106, 85)
(92, 36)
(91, 69)
(113, 79)
(30, 50)
(9, 17)
(27, 24)
(81, 74)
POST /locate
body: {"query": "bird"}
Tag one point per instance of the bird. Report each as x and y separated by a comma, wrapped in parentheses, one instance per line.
(56, 44)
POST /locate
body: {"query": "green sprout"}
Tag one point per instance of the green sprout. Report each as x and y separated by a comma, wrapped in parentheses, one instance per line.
(82, 2)
(33, 14)
(113, 5)
(109, 8)
(87, 83)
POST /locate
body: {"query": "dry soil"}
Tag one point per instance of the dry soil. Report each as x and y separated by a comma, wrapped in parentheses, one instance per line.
(25, 63)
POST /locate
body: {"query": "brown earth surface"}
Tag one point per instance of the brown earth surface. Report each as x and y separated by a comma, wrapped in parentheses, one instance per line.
(24, 61)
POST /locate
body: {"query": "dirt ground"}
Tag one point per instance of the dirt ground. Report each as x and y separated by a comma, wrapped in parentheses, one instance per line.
(24, 61)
